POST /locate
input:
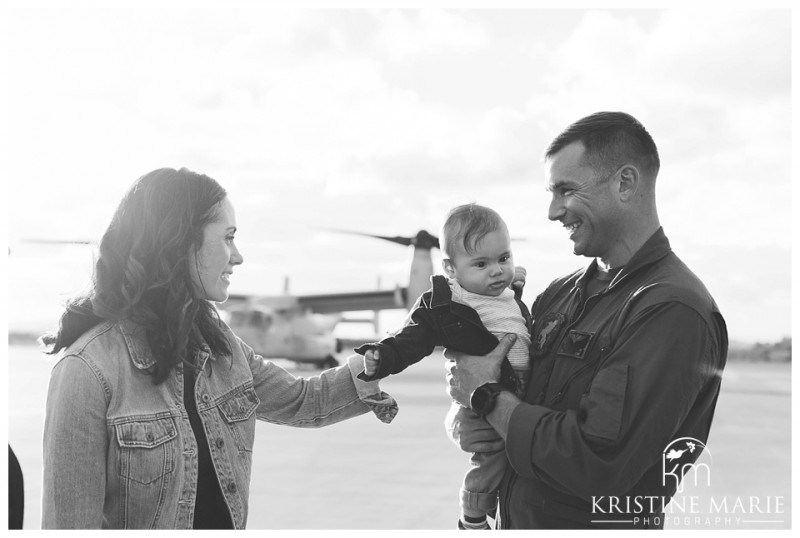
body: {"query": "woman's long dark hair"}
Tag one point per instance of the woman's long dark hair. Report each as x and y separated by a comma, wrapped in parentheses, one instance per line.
(143, 271)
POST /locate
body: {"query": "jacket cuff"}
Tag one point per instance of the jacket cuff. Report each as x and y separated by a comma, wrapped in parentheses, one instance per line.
(386, 366)
(369, 392)
(519, 439)
(363, 348)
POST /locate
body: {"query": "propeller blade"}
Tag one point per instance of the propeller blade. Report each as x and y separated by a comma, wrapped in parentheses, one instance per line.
(425, 240)
(58, 241)
(406, 241)
(422, 240)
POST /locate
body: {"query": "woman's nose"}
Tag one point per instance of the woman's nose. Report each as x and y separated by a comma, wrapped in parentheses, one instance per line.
(236, 256)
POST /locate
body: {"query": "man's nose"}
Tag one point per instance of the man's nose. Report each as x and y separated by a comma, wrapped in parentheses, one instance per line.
(556, 209)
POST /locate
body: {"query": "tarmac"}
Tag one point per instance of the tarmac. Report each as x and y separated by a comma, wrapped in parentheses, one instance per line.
(363, 474)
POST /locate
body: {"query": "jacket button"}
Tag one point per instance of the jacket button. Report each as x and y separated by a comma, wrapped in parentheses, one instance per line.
(220, 443)
(206, 397)
(149, 437)
(232, 487)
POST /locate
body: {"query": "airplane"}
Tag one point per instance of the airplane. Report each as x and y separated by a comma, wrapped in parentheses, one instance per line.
(300, 327)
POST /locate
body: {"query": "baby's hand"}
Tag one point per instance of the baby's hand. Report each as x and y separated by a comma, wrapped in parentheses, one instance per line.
(371, 361)
(519, 277)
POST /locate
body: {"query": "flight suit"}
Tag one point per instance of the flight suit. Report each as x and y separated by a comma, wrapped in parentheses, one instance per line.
(616, 378)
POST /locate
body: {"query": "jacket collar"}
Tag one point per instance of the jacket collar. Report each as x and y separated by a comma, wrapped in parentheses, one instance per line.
(440, 294)
(655, 248)
(136, 339)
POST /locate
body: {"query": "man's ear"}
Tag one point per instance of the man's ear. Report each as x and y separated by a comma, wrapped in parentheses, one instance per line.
(447, 265)
(629, 179)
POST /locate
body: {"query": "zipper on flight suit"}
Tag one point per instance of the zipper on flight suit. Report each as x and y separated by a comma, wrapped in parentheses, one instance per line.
(560, 393)
(505, 512)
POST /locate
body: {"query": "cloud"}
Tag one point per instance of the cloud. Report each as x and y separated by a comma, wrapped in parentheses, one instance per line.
(381, 120)
(742, 53)
(407, 34)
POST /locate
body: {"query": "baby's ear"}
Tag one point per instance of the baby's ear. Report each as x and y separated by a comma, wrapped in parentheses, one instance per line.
(447, 265)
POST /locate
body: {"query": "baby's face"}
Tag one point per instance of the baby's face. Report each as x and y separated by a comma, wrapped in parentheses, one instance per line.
(488, 269)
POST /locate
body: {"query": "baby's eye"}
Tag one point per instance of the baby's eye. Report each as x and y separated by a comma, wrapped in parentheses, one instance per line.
(504, 259)
(480, 265)
(229, 239)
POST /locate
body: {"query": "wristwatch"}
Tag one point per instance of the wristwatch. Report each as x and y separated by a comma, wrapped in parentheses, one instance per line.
(483, 398)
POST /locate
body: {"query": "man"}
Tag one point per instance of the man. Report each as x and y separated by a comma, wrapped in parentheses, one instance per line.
(627, 353)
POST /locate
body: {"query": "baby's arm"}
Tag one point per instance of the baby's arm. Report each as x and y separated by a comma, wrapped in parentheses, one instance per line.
(416, 340)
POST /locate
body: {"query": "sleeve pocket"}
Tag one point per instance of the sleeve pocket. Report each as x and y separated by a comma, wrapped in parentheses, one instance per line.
(605, 403)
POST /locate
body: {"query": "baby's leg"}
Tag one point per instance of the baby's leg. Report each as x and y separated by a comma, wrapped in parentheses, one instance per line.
(478, 495)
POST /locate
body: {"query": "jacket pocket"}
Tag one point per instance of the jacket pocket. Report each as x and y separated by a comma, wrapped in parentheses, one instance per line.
(605, 403)
(239, 413)
(147, 449)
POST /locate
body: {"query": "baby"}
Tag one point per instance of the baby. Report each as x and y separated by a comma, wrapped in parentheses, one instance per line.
(468, 311)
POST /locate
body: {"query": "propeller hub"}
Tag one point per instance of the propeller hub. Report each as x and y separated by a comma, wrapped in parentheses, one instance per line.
(425, 241)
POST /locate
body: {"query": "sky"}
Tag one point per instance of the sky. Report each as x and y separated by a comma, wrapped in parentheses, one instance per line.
(380, 120)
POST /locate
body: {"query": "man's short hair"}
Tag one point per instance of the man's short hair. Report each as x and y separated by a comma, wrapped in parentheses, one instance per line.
(611, 139)
(468, 224)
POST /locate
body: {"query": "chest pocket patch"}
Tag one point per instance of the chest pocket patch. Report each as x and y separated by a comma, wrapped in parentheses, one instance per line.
(575, 344)
(548, 330)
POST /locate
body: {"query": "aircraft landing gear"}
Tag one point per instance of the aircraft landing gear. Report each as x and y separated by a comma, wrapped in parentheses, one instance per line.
(329, 362)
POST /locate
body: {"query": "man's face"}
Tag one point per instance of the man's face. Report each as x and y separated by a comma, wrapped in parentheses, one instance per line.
(583, 201)
(488, 269)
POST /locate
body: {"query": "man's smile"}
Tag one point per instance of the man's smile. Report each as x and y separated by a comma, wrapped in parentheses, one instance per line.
(572, 227)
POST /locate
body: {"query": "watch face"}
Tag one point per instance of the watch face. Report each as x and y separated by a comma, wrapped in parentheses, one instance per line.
(483, 398)
(479, 398)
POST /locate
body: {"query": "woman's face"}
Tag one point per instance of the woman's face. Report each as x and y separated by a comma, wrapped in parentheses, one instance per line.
(216, 258)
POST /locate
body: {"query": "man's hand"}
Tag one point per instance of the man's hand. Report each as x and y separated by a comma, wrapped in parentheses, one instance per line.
(372, 360)
(470, 432)
(520, 274)
(465, 372)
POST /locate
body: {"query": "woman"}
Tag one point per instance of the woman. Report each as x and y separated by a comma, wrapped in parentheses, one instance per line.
(151, 408)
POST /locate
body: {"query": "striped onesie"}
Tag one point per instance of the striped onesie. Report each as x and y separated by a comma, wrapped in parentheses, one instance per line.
(500, 315)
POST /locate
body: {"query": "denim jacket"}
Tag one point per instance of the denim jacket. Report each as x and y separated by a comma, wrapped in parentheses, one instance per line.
(437, 320)
(119, 451)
